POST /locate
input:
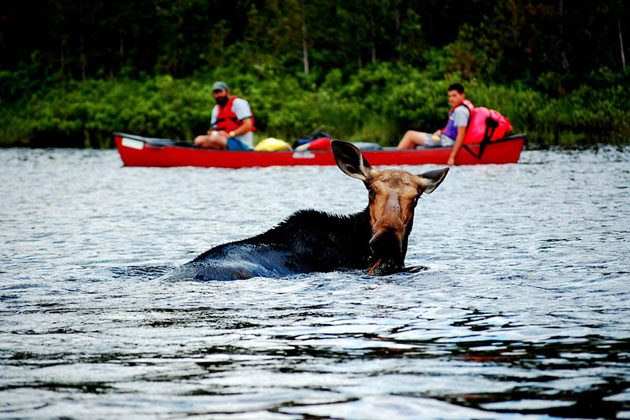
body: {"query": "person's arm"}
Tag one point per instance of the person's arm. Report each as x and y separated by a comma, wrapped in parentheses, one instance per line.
(242, 129)
(243, 112)
(461, 133)
(213, 120)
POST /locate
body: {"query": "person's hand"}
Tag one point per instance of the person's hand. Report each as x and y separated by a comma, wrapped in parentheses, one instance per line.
(437, 132)
(451, 161)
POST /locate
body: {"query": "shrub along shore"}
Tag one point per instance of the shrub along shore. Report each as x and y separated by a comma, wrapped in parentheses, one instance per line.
(376, 104)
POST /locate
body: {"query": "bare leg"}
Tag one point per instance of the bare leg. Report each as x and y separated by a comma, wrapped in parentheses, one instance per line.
(211, 141)
(412, 139)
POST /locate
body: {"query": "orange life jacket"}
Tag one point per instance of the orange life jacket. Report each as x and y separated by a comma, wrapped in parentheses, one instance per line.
(450, 129)
(227, 119)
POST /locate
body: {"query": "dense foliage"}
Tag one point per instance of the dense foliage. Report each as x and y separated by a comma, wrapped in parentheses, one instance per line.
(74, 71)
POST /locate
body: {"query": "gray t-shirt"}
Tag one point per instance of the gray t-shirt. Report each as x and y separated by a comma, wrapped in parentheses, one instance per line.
(242, 110)
(460, 119)
(461, 116)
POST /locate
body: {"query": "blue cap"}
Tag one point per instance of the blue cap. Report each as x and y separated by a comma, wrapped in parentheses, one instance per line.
(220, 86)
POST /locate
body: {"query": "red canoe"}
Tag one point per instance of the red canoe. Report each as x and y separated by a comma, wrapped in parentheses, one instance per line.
(142, 151)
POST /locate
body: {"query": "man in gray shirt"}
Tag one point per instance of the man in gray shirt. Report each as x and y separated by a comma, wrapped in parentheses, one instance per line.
(232, 122)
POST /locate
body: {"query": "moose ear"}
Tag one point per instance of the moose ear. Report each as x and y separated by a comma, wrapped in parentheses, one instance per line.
(350, 160)
(432, 179)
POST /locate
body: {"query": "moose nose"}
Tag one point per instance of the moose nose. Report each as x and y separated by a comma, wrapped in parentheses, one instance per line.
(388, 231)
(386, 243)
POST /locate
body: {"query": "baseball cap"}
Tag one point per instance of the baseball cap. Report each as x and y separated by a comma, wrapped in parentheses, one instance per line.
(220, 86)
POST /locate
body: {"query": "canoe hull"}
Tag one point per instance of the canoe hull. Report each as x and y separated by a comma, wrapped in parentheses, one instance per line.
(140, 151)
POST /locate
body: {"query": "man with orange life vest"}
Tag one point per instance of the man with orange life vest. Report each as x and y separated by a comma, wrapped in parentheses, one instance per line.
(232, 122)
(454, 132)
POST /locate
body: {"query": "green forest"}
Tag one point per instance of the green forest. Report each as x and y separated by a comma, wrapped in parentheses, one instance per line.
(74, 71)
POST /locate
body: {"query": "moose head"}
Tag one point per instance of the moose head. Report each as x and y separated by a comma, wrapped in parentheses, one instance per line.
(393, 195)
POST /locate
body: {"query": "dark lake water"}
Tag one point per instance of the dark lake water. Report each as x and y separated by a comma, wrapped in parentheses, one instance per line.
(523, 310)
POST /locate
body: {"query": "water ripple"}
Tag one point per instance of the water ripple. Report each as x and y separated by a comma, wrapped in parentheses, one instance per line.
(517, 307)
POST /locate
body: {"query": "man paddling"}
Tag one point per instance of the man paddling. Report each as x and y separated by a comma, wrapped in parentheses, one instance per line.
(454, 132)
(232, 122)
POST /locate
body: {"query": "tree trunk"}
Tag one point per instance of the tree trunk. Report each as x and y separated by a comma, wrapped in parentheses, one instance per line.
(304, 39)
(398, 36)
(563, 49)
(121, 51)
(373, 36)
(62, 59)
(623, 56)
(83, 58)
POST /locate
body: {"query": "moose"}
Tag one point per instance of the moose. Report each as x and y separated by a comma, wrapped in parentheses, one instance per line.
(374, 239)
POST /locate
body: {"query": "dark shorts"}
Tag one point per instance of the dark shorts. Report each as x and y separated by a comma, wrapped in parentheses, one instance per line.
(236, 144)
